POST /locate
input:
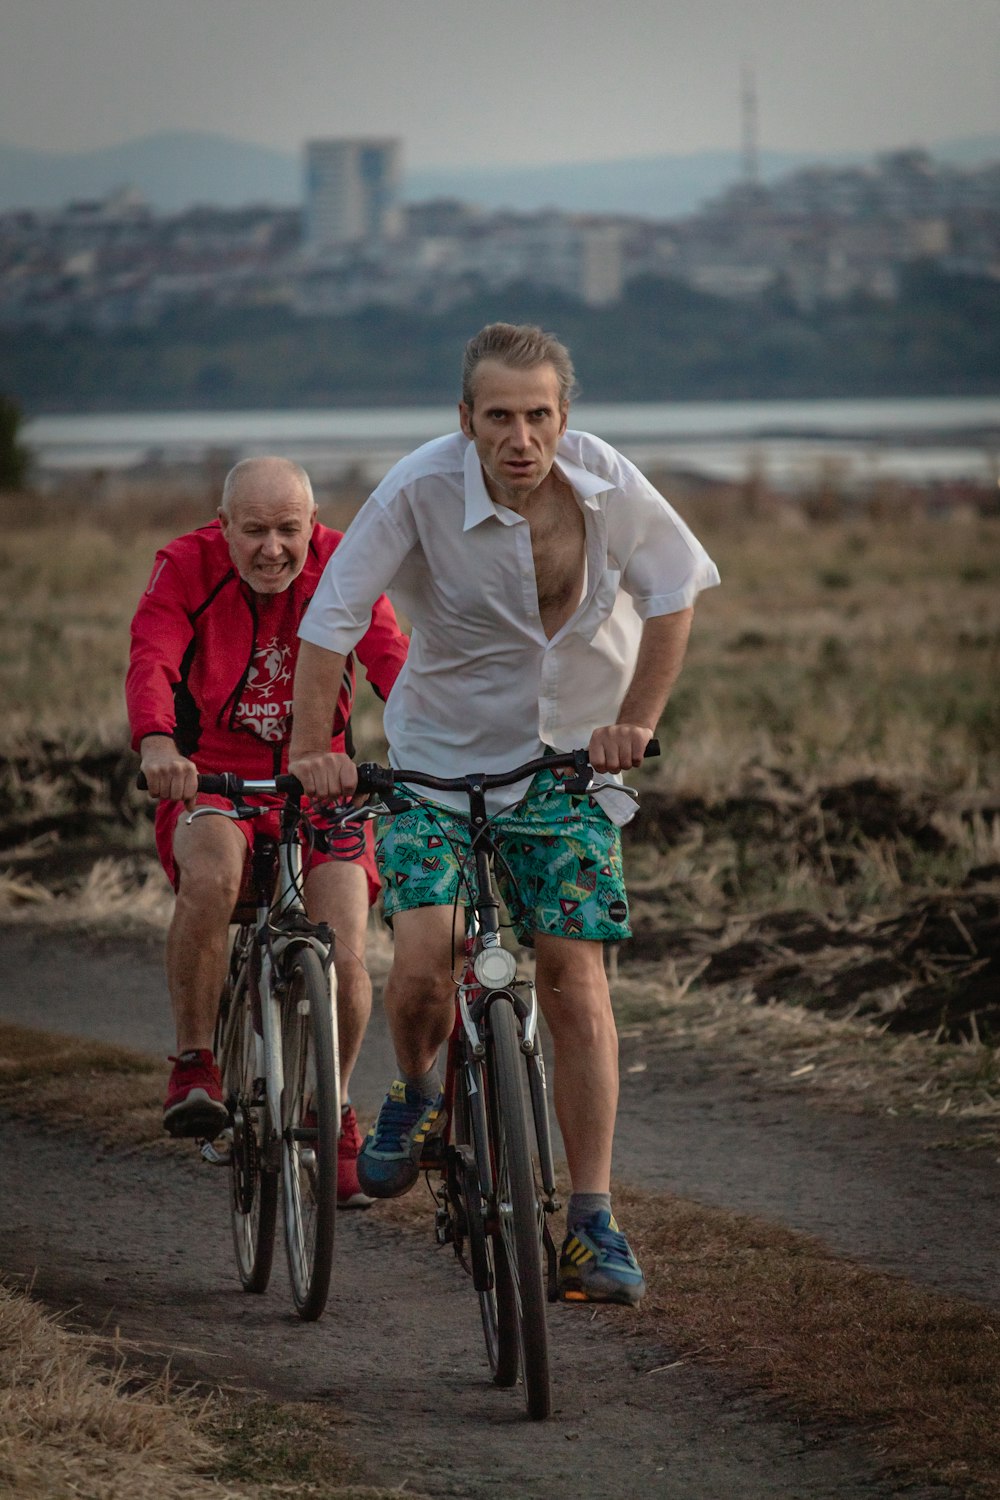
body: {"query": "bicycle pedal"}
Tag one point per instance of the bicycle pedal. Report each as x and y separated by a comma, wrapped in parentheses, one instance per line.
(218, 1153)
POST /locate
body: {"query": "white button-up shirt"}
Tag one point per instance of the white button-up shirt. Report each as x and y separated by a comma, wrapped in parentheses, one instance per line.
(483, 688)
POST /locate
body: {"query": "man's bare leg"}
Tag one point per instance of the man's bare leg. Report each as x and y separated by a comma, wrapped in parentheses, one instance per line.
(210, 854)
(337, 893)
(420, 992)
(575, 1001)
(420, 1007)
(596, 1263)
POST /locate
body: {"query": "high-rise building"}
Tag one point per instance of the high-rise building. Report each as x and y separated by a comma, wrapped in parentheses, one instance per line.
(352, 191)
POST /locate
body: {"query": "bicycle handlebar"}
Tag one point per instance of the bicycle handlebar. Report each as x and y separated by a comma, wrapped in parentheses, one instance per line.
(228, 784)
(375, 778)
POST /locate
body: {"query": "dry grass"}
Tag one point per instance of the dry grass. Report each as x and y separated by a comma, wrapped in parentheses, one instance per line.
(920, 1372)
(830, 1340)
(75, 1422)
(110, 1092)
(833, 648)
(849, 1062)
(110, 895)
(774, 1307)
(853, 645)
(848, 648)
(69, 1426)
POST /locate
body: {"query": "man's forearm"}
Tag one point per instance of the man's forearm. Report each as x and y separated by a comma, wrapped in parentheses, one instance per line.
(661, 656)
(318, 676)
(620, 746)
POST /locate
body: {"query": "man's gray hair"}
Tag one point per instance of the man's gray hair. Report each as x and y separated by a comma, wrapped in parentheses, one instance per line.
(521, 346)
(246, 468)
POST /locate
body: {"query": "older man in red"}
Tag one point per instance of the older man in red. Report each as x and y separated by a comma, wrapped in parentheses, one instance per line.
(209, 688)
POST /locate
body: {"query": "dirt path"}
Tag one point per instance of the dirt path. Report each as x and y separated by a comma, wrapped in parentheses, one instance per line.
(141, 1243)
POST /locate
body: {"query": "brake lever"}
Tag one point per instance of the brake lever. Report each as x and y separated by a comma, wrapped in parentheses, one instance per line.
(343, 817)
(237, 813)
(615, 786)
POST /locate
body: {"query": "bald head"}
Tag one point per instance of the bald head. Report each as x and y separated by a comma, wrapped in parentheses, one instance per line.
(263, 475)
(267, 514)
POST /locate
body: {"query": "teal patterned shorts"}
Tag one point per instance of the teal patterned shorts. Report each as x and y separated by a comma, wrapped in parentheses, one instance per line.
(563, 856)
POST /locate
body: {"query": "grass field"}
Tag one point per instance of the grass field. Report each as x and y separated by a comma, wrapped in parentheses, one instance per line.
(836, 646)
(832, 748)
(846, 646)
(831, 779)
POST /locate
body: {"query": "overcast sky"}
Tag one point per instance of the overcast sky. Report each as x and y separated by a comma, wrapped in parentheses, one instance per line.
(465, 82)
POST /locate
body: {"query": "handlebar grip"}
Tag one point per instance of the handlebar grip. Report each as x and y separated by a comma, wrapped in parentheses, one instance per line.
(221, 784)
(651, 750)
(217, 783)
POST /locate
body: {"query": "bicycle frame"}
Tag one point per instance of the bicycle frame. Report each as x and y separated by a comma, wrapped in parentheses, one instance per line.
(276, 898)
(278, 1048)
(474, 999)
(479, 1099)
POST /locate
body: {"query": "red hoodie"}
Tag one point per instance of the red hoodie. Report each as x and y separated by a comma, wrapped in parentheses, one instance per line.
(212, 661)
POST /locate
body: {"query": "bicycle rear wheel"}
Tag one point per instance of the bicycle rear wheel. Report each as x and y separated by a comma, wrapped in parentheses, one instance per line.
(253, 1191)
(310, 1126)
(519, 1212)
(487, 1252)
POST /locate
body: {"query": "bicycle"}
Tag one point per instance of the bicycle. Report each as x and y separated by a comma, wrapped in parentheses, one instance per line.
(276, 1046)
(495, 1190)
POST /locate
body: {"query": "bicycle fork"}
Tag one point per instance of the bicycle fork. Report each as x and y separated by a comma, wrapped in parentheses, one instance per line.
(538, 1094)
(525, 1008)
(271, 987)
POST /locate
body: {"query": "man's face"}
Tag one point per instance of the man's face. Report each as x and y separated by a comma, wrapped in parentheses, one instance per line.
(268, 530)
(515, 421)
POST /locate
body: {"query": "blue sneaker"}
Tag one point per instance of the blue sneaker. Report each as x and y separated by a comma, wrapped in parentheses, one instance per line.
(597, 1264)
(389, 1160)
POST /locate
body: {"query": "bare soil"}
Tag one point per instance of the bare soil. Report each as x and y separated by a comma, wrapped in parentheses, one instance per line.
(139, 1242)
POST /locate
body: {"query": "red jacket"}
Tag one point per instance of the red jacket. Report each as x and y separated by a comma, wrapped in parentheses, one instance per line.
(212, 661)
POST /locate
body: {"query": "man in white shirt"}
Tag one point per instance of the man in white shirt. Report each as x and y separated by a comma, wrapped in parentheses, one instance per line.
(550, 590)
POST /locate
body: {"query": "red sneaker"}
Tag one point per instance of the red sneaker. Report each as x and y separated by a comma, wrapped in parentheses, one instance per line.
(349, 1194)
(193, 1106)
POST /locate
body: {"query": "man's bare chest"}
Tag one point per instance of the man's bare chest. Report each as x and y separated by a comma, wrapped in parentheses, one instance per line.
(558, 546)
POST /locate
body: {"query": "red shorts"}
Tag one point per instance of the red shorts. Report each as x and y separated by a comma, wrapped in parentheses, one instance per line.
(168, 813)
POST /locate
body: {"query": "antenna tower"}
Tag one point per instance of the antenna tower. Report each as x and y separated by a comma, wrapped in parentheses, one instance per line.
(751, 161)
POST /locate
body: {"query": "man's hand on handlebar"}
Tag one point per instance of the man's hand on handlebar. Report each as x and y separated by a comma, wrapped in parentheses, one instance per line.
(325, 775)
(170, 776)
(618, 747)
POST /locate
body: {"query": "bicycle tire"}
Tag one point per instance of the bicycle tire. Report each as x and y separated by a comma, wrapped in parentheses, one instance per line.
(253, 1191)
(518, 1209)
(497, 1306)
(310, 1120)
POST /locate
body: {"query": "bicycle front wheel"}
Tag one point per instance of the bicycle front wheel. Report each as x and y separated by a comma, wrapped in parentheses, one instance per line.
(518, 1210)
(310, 1126)
(253, 1190)
(486, 1252)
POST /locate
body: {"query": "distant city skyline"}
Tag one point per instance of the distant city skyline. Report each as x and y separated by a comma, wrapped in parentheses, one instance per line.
(465, 83)
(352, 190)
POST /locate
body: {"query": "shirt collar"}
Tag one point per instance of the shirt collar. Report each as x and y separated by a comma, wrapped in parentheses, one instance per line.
(480, 507)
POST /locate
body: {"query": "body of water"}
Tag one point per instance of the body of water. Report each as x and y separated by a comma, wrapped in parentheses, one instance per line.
(918, 439)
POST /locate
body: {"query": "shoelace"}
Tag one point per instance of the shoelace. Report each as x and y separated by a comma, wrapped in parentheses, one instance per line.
(396, 1119)
(612, 1244)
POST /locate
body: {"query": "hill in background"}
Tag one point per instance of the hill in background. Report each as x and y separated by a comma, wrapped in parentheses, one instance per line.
(175, 170)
